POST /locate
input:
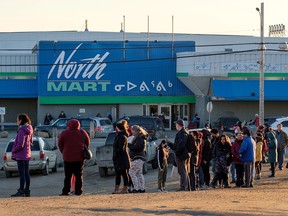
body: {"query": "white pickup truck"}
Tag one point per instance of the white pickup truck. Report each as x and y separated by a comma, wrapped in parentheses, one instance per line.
(104, 155)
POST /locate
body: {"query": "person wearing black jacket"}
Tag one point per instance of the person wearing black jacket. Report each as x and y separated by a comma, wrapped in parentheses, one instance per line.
(220, 152)
(162, 161)
(121, 158)
(194, 159)
(206, 156)
(181, 154)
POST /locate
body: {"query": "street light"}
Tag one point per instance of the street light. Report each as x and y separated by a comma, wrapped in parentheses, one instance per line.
(261, 62)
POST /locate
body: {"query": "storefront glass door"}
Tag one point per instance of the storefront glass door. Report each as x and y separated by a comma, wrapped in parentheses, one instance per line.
(165, 115)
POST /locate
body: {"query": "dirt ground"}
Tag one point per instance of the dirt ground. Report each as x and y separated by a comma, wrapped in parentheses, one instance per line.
(268, 197)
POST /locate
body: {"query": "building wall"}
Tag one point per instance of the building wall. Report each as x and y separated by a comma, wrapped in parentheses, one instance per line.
(245, 110)
(20, 105)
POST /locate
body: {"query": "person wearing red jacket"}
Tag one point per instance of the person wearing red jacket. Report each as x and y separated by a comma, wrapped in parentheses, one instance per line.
(71, 144)
(236, 159)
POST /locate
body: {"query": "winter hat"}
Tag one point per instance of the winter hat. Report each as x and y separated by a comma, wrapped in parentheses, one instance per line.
(180, 122)
(120, 126)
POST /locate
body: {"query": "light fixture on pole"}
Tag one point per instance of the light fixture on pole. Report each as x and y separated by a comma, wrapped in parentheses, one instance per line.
(261, 62)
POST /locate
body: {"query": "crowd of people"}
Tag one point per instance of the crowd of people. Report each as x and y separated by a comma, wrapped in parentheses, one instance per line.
(194, 154)
(238, 157)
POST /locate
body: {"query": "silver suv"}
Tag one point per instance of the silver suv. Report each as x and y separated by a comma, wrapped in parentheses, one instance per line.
(43, 157)
(103, 126)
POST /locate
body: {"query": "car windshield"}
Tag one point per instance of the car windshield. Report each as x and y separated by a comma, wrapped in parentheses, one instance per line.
(110, 139)
(34, 147)
(104, 122)
(143, 122)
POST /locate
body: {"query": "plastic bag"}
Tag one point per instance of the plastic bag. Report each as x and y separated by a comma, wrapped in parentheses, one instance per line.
(174, 172)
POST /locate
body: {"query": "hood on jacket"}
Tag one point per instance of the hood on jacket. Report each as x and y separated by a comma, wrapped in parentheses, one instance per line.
(26, 128)
(271, 136)
(73, 124)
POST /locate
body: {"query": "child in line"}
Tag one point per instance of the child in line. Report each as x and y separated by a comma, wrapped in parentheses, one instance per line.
(258, 158)
(162, 160)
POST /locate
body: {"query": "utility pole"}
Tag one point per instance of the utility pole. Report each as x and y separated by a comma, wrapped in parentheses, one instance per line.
(261, 62)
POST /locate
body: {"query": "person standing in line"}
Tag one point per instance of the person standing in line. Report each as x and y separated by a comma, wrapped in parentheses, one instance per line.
(258, 156)
(194, 158)
(247, 155)
(162, 160)
(21, 152)
(282, 140)
(121, 159)
(181, 154)
(129, 139)
(239, 167)
(71, 144)
(220, 152)
(272, 153)
(215, 139)
(206, 157)
(137, 151)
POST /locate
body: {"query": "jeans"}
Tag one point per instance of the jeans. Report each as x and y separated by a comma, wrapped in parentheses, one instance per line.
(23, 169)
(162, 176)
(192, 176)
(182, 166)
(248, 169)
(232, 171)
(239, 174)
(205, 169)
(200, 173)
(281, 157)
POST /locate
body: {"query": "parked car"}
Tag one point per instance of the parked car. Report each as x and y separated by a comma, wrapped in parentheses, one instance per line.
(271, 119)
(283, 121)
(43, 157)
(104, 155)
(103, 126)
(227, 122)
(153, 125)
(61, 124)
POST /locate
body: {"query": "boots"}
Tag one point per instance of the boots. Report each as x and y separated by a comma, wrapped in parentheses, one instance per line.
(116, 190)
(124, 190)
(27, 193)
(20, 193)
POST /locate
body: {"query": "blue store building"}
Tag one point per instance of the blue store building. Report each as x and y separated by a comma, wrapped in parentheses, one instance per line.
(86, 73)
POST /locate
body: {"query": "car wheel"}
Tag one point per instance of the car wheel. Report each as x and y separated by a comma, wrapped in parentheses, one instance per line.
(145, 168)
(54, 169)
(154, 163)
(46, 169)
(103, 171)
(8, 174)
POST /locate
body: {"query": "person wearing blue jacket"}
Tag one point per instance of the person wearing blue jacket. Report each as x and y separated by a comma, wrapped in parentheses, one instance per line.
(247, 155)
